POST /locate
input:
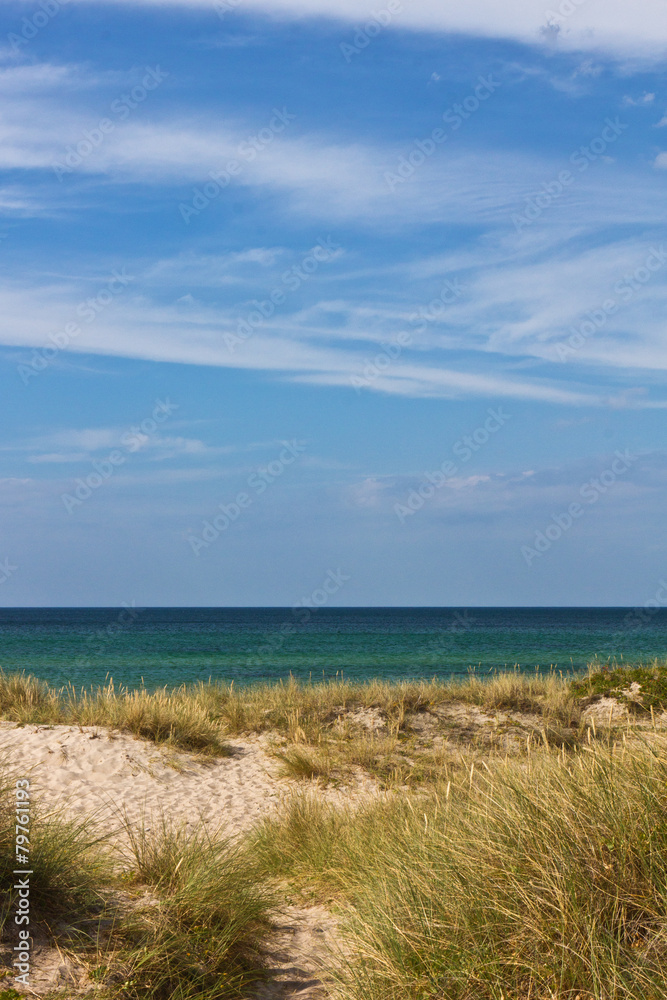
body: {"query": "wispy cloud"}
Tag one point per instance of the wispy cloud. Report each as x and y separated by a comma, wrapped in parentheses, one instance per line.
(595, 25)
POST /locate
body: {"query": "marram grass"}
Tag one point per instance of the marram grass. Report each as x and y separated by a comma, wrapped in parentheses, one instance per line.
(198, 716)
(540, 878)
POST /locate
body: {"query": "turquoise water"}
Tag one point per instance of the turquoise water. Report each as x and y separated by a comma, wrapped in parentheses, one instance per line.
(175, 645)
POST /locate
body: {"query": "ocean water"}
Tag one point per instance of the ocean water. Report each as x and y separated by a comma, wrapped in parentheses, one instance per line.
(156, 646)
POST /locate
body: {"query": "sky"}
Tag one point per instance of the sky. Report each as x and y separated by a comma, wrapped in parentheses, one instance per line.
(295, 290)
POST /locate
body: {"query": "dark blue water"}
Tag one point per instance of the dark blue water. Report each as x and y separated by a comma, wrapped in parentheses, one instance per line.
(176, 645)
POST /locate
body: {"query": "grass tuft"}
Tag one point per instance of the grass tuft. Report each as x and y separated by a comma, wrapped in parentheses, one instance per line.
(199, 940)
(179, 718)
(640, 688)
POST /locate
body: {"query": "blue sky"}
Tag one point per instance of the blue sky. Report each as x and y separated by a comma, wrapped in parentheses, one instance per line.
(292, 286)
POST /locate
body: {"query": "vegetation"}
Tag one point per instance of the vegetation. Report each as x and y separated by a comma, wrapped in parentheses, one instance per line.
(198, 717)
(640, 688)
(171, 717)
(520, 858)
(198, 936)
(178, 916)
(539, 878)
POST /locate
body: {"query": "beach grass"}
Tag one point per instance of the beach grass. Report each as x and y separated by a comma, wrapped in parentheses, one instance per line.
(176, 717)
(328, 730)
(330, 726)
(197, 934)
(538, 878)
(177, 914)
(470, 873)
(640, 688)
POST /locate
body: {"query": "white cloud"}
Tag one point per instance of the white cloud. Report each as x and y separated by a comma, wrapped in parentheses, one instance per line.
(661, 161)
(321, 177)
(596, 24)
(634, 102)
(500, 337)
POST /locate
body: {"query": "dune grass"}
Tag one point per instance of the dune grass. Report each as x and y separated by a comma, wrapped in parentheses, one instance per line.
(179, 915)
(175, 717)
(322, 723)
(641, 688)
(545, 878)
(197, 935)
(295, 707)
(68, 862)
(482, 876)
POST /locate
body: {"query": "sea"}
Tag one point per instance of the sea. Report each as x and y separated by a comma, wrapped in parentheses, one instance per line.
(171, 646)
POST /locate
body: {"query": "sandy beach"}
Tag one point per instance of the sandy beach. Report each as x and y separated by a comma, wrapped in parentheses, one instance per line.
(329, 766)
(120, 781)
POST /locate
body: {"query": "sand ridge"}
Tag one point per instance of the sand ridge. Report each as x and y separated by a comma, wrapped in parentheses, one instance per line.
(94, 772)
(90, 771)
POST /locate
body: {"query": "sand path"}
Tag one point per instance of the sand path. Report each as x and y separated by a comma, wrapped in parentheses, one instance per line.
(118, 779)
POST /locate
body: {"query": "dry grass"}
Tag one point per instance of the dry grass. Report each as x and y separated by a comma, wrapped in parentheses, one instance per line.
(479, 875)
(295, 706)
(177, 717)
(541, 879)
(397, 732)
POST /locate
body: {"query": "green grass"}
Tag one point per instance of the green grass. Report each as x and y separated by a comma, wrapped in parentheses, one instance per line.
(547, 880)
(69, 862)
(180, 916)
(616, 683)
(199, 936)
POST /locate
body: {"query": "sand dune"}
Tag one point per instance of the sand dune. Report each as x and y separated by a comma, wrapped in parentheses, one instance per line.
(114, 776)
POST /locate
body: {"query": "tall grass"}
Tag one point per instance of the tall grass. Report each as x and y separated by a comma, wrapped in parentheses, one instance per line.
(177, 717)
(199, 937)
(180, 916)
(284, 706)
(546, 878)
(70, 865)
